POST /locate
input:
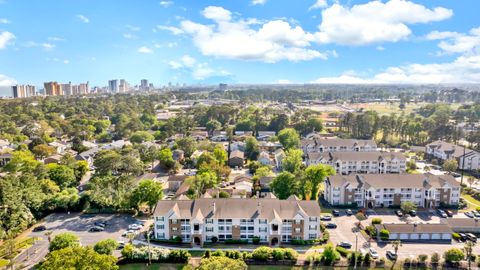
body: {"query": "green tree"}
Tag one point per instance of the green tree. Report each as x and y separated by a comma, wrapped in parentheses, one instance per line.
(22, 161)
(468, 249)
(65, 199)
(453, 255)
(213, 125)
(106, 246)
(408, 206)
(220, 154)
(284, 185)
(165, 156)
(188, 145)
(62, 175)
(80, 168)
(78, 258)
(289, 138)
(201, 182)
(141, 137)
(450, 165)
(252, 148)
(293, 161)
(149, 192)
(107, 191)
(221, 263)
(396, 245)
(43, 150)
(330, 255)
(64, 240)
(314, 176)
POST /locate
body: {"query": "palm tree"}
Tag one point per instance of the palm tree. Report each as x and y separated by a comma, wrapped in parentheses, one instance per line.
(49, 236)
(468, 248)
(396, 245)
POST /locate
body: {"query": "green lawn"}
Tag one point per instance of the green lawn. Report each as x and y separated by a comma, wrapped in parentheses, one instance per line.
(472, 202)
(3, 262)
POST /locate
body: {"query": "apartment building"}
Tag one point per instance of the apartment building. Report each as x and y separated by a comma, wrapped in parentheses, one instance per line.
(315, 144)
(374, 190)
(467, 159)
(207, 219)
(52, 89)
(360, 162)
(23, 90)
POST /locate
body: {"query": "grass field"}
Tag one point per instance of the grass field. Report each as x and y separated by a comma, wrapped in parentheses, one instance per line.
(141, 266)
(472, 202)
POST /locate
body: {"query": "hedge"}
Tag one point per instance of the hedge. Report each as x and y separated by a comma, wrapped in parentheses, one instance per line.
(236, 241)
(343, 251)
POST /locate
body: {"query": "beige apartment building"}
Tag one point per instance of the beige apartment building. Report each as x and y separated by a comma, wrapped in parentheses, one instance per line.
(209, 220)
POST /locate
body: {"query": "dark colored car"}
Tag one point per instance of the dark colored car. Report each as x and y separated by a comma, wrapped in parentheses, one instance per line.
(100, 224)
(335, 213)
(348, 212)
(471, 237)
(345, 244)
(463, 237)
(449, 213)
(331, 226)
(96, 229)
(391, 255)
(412, 213)
(40, 228)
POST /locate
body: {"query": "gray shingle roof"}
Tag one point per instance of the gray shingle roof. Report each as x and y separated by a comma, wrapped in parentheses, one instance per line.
(394, 180)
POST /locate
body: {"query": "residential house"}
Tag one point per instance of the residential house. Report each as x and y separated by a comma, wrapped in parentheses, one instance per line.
(60, 147)
(279, 155)
(360, 162)
(375, 190)
(178, 155)
(236, 159)
(265, 135)
(337, 145)
(264, 158)
(5, 158)
(207, 220)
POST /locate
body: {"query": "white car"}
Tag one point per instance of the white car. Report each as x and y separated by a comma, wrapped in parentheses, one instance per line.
(135, 227)
(373, 253)
(124, 234)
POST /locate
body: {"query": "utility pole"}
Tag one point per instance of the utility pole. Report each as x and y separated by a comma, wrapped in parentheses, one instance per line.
(463, 165)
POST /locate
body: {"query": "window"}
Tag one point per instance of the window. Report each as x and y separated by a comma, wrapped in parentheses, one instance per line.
(274, 227)
(209, 221)
(297, 230)
(313, 219)
(262, 221)
(312, 236)
(160, 227)
(160, 235)
(196, 227)
(209, 229)
(298, 221)
(174, 229)
(160, 219)
(174, 221)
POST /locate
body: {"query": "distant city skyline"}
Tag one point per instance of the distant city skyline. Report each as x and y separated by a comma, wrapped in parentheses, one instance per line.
(209, 42)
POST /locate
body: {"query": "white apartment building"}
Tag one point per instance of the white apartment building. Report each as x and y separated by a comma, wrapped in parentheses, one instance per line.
(467, 159)
(360, 162)
(206, 220)
(337, 145)
(370, 190)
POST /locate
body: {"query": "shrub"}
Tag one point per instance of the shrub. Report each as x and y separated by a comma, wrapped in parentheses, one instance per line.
(384, 234)
(221, 263)
(218, 253)
(325, 237)
(422, 258)
(256, 240)
(453, 255)
(278, 254)
(376, 221)
(106, 246)
(207, 254)
(367, 259)
(370, 230)
(360, 216)
(290, 254)
(435, 258)
(353, 255)
(179, 256)
(262, 253)
(343, 252)
(330, 255)
(214, 239)
(236, 241)
(177, 239)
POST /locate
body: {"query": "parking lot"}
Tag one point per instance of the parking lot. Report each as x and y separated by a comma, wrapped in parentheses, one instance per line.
(80, 225)
(345, 232)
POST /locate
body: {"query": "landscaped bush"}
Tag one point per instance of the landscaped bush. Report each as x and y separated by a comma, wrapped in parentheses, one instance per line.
(422, 258)
(353, 255)
(301, 242)
(156, 254)
(262, 253)
(435, 258)
(376, 221)
(179, 256)
(290, 254)
(384, 235)
(343, 252)
(177, 239)
(256, 240)
(370, 230)
(236, 241)
(278, 254)
(367, 259)
(218, 253)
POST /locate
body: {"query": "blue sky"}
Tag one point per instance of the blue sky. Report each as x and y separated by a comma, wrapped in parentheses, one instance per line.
(241, 41)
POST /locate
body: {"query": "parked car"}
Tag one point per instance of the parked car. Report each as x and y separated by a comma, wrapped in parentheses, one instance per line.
(335, 213)
(331, 226)
(449, 213)
(469, 214)
(135, 227)
(348, 212)
(326, 218)
(96, 229)
(442, 213)
(40, 228)
(391, 255)
(471, 237)
(463, 237)
(476, 213)
(125, 233)
(412, 213)
(373, 253)
(121, 244)
(399, 213)
(100, 223)
(345, 244)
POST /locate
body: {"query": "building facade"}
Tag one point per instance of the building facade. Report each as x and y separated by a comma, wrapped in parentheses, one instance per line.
(52, 89)
(467, 159)
(23, 90)
(320, 145)
(209, 220)
(360, 162)
(371, 191)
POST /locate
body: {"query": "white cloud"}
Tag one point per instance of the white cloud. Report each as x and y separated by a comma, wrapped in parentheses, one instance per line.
(66, 61)
(166, 4)
(283, 81)
(464, 69)
(375, 21)
(5, 38)
(453, 42)
(4, 21)
(273, 41)
(144, 49)
(318, 4)
(133, 28)
(174, 30)
(83, 18)
(198, 70)
(380, 48)
(56, 39)
(48, 46)
(258, 2)
(7, 81)
(129, 36)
